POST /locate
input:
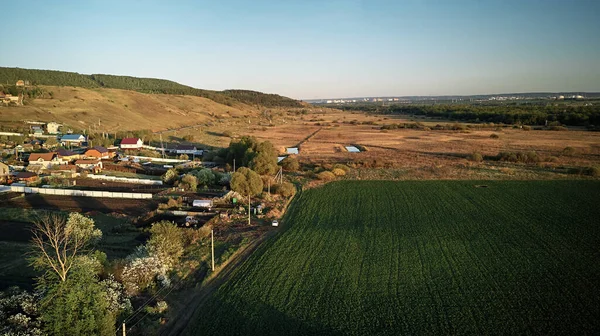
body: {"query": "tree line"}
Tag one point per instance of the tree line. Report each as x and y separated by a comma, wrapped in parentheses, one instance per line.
(9, 76)
(525, 114)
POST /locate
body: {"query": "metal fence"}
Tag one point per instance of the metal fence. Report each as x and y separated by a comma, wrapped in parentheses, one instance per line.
(125, 179)
(84, 193)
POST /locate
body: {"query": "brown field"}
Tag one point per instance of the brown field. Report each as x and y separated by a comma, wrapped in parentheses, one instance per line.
(122, 109)
(89, 184)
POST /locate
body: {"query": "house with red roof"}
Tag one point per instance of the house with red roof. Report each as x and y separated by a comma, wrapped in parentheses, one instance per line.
(131, 143)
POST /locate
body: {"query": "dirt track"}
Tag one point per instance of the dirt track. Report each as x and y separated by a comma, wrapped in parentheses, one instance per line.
(199, 297)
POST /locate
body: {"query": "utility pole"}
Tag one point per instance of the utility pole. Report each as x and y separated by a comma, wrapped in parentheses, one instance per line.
(212, 243)
(248, 209)
(234, 165)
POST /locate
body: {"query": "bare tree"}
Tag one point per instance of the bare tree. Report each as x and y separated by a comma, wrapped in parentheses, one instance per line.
(59, 241)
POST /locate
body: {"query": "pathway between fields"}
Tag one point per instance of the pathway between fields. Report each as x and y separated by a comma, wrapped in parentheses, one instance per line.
(200, 296)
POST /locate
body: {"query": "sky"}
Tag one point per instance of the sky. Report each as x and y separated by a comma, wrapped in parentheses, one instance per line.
(311, 49)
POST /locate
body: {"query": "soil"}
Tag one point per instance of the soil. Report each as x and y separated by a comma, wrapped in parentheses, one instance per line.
(131, 207)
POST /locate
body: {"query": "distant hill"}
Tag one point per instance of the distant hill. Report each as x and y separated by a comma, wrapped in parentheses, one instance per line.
(145, 85)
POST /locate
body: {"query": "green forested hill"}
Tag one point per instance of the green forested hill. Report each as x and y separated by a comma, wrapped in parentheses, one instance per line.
(147, 85)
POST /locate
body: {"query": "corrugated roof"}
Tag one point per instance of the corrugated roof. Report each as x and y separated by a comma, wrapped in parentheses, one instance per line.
(43, 156)
(129, 141)
(72, 137)
(100, 149)
(65, 152)
(86, 162)
(186, 147)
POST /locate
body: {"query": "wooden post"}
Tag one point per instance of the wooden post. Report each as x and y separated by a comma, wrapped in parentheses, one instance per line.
(212, 240)
(124, 334)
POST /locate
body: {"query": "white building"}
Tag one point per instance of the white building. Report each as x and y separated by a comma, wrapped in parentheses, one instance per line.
(131, 143)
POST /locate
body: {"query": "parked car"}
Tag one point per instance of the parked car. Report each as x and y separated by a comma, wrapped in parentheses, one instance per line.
(275, 223)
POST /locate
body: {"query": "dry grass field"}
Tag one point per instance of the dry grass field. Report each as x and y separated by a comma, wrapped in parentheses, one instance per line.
(122, 109)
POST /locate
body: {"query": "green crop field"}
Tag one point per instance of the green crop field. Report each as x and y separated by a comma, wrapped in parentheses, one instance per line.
(423, 257)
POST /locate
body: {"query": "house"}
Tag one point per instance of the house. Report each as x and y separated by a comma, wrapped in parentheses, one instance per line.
(94, 165)
(131, 143)
(53, 127)
(98, 152)
(43, 160)
(26, 176)
(20, 82)
(185, 149)
(73, 139)
(8, 98)
(66, 155)
(4, 171)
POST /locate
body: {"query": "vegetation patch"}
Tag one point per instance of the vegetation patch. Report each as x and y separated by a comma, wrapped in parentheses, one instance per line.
(431, 257)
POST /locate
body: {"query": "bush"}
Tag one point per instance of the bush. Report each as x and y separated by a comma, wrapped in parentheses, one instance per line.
(172, 203)
(593, 171)
(341, 166)
(286, 189)
(529, 157)
(475, 157)
(568, 151)
(290, 164)
(494, 136)
(338, 172)
(326, 176)
(526, 128)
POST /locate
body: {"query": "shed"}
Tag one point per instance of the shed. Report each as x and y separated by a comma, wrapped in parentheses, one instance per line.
(292, 150)
(202, 203)
(26, 176)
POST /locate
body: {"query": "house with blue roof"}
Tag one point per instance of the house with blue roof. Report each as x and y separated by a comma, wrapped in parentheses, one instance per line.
(72, 139)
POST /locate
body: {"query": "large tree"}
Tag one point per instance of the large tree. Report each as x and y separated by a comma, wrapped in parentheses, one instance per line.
(75, 301)
(248, 183)
(59, 241)
(265, 161)
(80, 304)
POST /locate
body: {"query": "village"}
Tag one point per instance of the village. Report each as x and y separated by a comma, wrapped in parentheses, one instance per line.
(48, 169)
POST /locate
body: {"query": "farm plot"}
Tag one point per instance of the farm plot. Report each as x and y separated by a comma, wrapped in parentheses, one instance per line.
(422, 257)
(132, 207)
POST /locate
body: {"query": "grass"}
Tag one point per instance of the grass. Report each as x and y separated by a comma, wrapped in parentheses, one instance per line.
(421, 257)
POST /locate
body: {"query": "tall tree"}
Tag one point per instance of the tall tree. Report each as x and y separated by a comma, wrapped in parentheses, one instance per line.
(58, 242)
(246, 182)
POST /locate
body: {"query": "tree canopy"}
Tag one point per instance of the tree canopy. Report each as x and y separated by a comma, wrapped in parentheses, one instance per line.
(246, 182)
(145, 85)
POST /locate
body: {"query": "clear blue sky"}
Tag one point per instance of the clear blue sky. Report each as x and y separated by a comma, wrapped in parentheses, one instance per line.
(317, 48)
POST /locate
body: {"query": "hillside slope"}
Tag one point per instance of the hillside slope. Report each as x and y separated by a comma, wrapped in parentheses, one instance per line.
(9, 76)
(122, 109)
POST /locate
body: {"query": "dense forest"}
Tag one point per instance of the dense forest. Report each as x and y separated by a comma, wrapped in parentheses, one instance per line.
(10, 76)
(565, 113)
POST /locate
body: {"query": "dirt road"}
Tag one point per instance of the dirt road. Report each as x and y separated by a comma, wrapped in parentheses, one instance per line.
(199, 297)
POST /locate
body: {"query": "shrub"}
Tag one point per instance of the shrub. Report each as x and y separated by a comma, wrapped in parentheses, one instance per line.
(475, 157)
(593, 171)
(286, 189)
(172, 203)
(494, 136)
(526, 128)
(326, 176)
(338, 172)
(341, 166)
(290, 164)
(568, 151)
(189, 182)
